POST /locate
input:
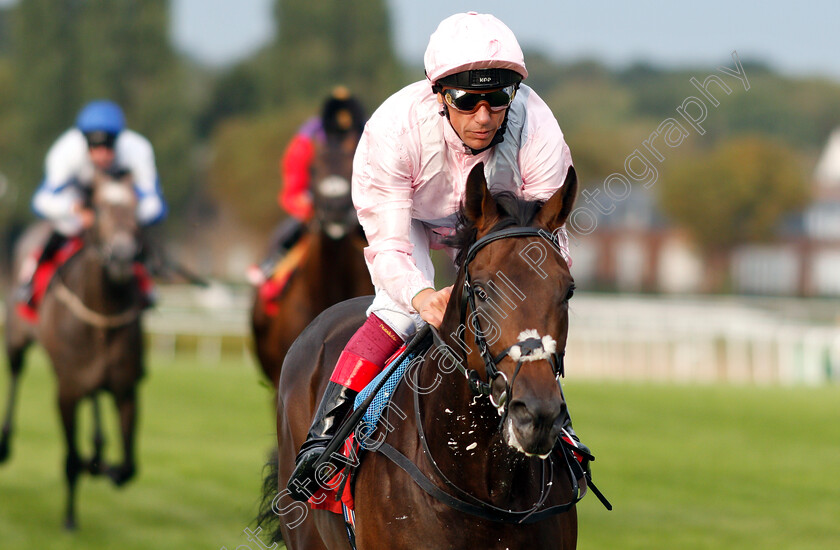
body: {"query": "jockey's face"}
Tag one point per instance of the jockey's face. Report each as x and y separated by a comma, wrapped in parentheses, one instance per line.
(476, 129)
(102, 156)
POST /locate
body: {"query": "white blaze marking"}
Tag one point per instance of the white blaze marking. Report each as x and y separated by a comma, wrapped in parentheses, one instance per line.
(549, 346)
(334, 186)
(117, 194)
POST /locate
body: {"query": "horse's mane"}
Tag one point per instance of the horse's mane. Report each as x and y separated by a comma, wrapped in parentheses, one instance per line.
(514, 212)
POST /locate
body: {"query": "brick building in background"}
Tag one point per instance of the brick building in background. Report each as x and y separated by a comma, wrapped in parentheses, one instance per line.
(635, 249)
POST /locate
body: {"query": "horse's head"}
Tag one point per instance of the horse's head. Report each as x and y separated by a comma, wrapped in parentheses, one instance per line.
(115, 231)
(331, 173)
(513, 301)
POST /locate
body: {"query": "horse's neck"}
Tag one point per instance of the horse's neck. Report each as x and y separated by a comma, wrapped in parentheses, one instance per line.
(86, 277)
(334, 265)
(84, 271)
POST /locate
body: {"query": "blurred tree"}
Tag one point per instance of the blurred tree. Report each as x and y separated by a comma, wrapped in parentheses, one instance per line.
(257, 106)
(589, 99)
(67, 52)
(737, 193)
(244, 176)
(599, 151)
(317, 46)
(800, 112)
(235, 93)
(321, 44)
(40, 106)
(4, 31)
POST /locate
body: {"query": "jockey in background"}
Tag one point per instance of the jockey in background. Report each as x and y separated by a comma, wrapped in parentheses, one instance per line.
(99, 142)
(342, 118)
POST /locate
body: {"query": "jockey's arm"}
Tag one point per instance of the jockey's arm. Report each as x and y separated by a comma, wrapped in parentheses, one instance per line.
(295, 197)
(139, 158)
(58, 196)
(382, 195)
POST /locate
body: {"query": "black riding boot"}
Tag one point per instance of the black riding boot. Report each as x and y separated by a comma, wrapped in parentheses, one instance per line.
(289, 233)
(283, 239)
(335, 405)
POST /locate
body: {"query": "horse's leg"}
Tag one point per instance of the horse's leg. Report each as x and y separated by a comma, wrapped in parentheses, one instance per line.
(73, 464)
(127, 408)
(15, 352)
(96, 465)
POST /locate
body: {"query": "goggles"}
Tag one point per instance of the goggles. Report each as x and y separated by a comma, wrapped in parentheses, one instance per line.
(99, 138)
(468, 102)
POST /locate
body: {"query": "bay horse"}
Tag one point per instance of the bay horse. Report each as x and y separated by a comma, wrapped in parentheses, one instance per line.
(89, 322)
(333, 267)
(488, 483)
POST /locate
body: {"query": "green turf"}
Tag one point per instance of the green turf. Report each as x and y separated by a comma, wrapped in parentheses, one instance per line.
(703, 467)
(204, 434)
(687, 467)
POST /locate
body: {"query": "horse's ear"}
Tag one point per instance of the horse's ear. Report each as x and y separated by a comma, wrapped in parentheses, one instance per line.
(479, 205)
(555, 211)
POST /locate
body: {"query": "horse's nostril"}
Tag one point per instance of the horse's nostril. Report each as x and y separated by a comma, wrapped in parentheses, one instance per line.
(520, 413)
(537, 419)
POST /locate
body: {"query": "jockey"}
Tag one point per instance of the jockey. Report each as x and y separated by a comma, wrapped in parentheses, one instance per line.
(409, 179)
(342, 118)
(100, 142)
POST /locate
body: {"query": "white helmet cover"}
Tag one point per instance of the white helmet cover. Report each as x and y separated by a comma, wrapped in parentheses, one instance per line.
(469, 41)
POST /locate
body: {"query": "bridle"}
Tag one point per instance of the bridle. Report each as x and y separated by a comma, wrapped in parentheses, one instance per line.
(331, 189)
(461, 500)
(103, 250)
(334, 212)
(527, 347)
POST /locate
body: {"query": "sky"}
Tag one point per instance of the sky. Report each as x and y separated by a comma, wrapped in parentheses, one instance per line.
(796, 38)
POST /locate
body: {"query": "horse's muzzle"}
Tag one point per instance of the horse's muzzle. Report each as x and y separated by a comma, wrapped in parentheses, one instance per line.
(533, 426)
(121, 252)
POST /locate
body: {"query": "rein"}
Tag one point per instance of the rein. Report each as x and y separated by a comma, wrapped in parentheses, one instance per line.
(475, 506)
(94, 318)
(465, 502)
(82, 312)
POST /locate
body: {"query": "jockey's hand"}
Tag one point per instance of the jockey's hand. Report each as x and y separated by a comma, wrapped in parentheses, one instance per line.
(431, 304)
(86, 216)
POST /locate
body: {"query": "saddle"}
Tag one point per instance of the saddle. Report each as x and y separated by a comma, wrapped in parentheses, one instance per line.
(273, 287)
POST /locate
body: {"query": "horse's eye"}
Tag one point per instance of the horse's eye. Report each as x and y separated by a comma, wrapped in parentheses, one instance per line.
(570, 293)
(480, 293)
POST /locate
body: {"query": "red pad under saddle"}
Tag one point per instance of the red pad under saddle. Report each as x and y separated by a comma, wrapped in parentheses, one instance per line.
(327, 497)
(44, 274)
